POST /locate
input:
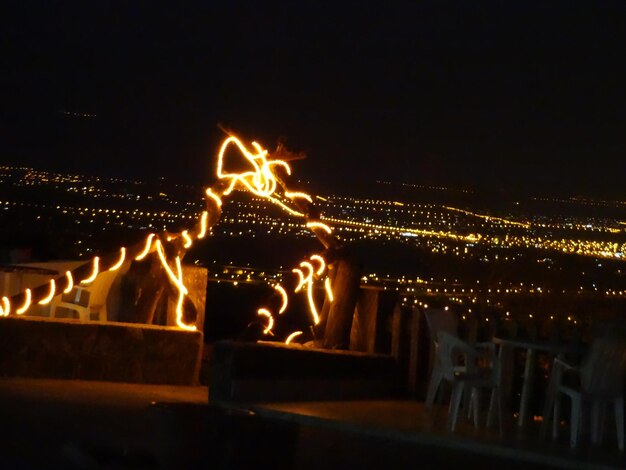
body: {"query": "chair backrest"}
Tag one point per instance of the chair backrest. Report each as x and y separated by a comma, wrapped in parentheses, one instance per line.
(99, 291)
(602, 370)
(440, 320)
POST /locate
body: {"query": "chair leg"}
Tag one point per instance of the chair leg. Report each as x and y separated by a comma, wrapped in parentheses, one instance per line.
(596, 421)
(455, 403)
(556, 418)
(433, 386)
(475, 400)
(619, 421)
(575, 420)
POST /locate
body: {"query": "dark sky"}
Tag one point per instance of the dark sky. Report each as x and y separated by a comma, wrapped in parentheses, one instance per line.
(528, 94)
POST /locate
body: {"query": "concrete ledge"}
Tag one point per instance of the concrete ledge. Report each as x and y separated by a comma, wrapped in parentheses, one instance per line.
(104, 351)
(253, 372)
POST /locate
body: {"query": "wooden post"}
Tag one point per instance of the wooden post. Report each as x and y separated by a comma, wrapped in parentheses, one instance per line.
(346, 290)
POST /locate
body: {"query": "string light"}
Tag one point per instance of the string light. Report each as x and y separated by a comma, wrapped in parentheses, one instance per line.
(321, 262)
(203, 224)
(284, 296)
(70, 282)
(292, 336)
(329, 290)
(270, 319)
(146, 249)
(94, 271)
(26, 304)
(323, 226)
(120, 261)
(187, 238)
(50, 296)
(6, 306)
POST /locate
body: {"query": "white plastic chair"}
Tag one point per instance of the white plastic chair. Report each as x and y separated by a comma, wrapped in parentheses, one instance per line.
(601, 382)
(96, 304)
(481, 370)
(438, 321)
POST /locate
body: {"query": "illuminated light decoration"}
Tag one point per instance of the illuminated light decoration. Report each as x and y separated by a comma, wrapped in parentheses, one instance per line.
(329, 290)
(203, 224)
(6, 306)
(209, 192)
(46, 300)
(270, 319)
(321, 225)
(120, 261)
(322, 263)
(322, 198)
(181, 298)
(187, 238)
(292, 336)
(298, 195)
(284, 296)
(177, 280)
(26, 304)
(316, 317)
(94, 271)
(146, 249)
(301, 281)
(70, 282)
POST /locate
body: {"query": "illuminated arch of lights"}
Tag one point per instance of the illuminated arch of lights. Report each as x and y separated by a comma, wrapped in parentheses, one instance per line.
(261, 178)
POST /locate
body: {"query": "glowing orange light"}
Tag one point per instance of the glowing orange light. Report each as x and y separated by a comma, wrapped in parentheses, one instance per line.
(50, 296)
(329, 290)
(6, 306)
(301, 281)
(270, 319)
(298, 195)
(26, 304)
(292, 336)
(177, 280)
(321, 262)
(94, 271)
(70, 282)
(284, 296)
(321, 225)
(187, 239)
(203, 224)
(209, 192)
(120, 261)
(146, 249)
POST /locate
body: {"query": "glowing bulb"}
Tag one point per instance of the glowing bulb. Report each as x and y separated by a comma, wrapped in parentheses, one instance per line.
(146, 249)
(26, 304)
(270, 319)
(284, 297)
(298, 195)
(70, 282)
(292, 336)
(120, 261)
(329, 290)
(209, 192)
(50, 296)
(94, 271)
(6, 306)
(203, 224)
(321, 225)
(187, 239)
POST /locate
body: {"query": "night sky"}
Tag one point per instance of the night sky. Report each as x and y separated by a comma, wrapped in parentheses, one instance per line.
(522, 94)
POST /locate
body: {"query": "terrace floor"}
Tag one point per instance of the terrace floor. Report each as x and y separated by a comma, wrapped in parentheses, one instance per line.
(79, 424)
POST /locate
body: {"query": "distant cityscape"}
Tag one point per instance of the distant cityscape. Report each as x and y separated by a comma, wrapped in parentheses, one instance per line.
(550, 251)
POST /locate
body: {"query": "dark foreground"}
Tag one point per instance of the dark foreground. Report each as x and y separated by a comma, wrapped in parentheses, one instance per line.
(77, 424)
